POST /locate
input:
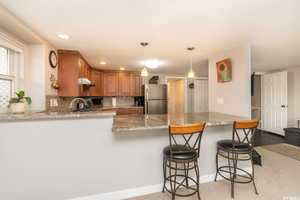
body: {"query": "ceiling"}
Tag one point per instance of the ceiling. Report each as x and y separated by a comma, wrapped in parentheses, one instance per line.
(111, 30)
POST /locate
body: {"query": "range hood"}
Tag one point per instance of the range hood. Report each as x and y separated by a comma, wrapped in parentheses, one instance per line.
(85, 82)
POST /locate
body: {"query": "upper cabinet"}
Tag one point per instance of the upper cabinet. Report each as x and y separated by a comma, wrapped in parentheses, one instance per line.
(73, 66)
(124, 84)
(136, 84)
(110, 83)
(97, 79)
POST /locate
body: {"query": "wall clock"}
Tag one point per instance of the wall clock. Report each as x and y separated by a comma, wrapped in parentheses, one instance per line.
(53, 59)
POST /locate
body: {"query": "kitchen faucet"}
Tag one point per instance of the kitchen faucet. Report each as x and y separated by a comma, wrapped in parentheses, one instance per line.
(78, 104)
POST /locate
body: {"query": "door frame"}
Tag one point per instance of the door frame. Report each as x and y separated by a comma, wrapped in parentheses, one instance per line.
(185, 87)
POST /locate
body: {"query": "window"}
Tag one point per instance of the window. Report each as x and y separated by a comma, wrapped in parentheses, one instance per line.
(7, 76)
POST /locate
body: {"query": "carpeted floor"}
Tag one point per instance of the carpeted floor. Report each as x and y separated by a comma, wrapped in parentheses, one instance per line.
(285, 150)
(277, 179)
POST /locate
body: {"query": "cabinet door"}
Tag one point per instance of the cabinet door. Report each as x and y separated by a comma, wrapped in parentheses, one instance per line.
(124, 84)
(68, 73)
(82, 69)
(136, 84)
(110, 83)
(96, 79)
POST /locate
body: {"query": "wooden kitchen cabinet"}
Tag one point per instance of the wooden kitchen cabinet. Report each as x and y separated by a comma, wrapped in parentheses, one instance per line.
(110, 83)
(136, 84)
(130, 111)
(71, 67)
(124, 84)
(97, 79)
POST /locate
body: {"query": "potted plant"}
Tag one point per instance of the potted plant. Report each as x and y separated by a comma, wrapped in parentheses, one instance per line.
(18, 104)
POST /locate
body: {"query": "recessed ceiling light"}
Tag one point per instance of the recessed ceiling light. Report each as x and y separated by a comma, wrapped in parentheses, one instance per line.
(102, 63)
(122, 68)
(63, 36)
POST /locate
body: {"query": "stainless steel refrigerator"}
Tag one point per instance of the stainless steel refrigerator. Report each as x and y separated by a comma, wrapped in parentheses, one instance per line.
(156, 99)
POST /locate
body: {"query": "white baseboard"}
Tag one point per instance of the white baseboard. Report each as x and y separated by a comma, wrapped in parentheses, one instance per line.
(134, 192)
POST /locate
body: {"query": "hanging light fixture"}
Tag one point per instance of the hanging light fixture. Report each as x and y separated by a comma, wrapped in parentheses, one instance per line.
(191, 73)
(144, 71)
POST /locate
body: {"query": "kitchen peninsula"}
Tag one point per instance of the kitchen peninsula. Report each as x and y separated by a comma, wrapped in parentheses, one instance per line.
(162, 121)
(91, 147)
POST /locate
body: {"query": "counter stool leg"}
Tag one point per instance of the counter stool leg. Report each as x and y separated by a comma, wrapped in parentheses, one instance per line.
(252, 165)
(175, 181)
(164, 173)
(231, 174)
(198, 179)
(186, 172)
(170, 178)
(217, 165)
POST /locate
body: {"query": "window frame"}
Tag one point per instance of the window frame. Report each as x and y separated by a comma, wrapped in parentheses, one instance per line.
(12, 69)
(19, 50)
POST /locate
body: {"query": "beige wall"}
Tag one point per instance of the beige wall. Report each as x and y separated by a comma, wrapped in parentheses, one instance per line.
(232, 97)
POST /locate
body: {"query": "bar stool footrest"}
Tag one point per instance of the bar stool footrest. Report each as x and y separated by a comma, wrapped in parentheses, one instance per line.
(240, 173)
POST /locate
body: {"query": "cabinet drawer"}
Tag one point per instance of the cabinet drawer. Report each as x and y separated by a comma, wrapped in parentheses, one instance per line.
(130, 111)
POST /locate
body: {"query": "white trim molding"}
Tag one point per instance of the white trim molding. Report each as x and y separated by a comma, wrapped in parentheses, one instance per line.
(140, 191)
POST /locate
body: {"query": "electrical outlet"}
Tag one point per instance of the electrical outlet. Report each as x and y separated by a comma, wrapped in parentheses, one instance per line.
(53, 103)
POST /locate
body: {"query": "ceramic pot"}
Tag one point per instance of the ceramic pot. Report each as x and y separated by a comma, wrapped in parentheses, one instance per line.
(18, 107)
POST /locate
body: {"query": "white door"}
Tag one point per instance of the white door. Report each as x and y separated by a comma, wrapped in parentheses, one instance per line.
(275, 102)
(200, 95)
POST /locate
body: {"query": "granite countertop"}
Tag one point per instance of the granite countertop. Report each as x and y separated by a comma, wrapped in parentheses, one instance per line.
(44, 115)
(150, 122)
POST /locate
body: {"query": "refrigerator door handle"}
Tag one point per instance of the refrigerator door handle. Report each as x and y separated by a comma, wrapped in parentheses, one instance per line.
(146, 108)
(146, 92)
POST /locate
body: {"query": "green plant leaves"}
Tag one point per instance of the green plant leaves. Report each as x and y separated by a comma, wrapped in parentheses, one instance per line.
(20, 98)
(20, 94)
(28, 99)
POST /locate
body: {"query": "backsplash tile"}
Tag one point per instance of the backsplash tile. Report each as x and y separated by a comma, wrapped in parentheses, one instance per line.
(64, 102)
(121, 101)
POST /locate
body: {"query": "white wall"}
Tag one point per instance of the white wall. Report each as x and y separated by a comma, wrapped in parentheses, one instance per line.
(236, 95)
(34, 74)
(293, 96)
(49, 70)
(65, 159)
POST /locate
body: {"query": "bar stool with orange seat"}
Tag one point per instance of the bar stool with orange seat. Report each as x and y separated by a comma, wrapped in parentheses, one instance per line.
(182, 156)
(239, 148)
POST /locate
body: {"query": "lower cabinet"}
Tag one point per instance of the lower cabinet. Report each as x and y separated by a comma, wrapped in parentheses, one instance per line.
(130, 111)
(127, 111)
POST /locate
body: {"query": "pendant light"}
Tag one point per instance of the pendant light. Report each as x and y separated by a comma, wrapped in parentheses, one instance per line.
(191, 73)
(144, 71)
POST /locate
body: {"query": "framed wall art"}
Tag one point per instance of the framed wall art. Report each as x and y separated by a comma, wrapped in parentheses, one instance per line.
(224, 71)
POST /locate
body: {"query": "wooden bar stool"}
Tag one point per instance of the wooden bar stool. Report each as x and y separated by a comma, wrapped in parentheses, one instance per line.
(239, 148)
(181, 157)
